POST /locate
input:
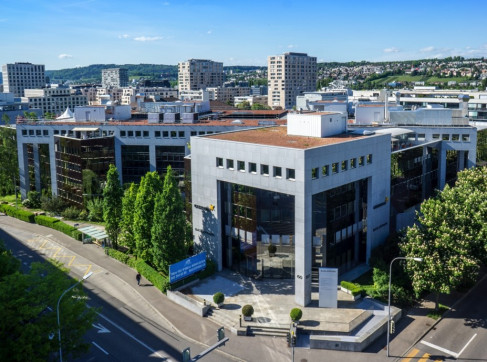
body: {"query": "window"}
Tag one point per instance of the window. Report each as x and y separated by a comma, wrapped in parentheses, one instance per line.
(181, 134)
(314, 173)
(194, 133)
(123, 134)
(369, 159)
(252, 167)
(157, 134)
(325, 170)
(230, 164)
(361, 161)
(24, 132)
(334, 167)
(138, 134)
(455, 137)
(465, 138)
(173, 134)
(277, 171)
(219, 162)
(38, 132)
(55, 131)
(131, 133)
(436, 136)
(353, 163)
(45, 132)
(264, 170)
(344, 166)
(421, 136)
(291, 173)
(445, 137)
(145, 134)
(241, 166)
(201, 133)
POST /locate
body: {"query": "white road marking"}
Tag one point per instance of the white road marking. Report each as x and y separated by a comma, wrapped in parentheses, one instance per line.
(453, 354)
(131, 336)
(100, 348)
(101, 328)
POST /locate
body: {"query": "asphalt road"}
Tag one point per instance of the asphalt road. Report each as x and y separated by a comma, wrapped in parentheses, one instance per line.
(461, 335)
(121, 332)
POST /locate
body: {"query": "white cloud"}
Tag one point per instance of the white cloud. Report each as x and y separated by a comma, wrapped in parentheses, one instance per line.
(290, 46)
(65, 56)
(3, 20)
(123, 36)
(427, 49)
(210, 31)
(166, 3)
(391, 50)
(147, 38)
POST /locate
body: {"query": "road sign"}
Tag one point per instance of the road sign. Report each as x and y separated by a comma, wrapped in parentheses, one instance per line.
(187, 267)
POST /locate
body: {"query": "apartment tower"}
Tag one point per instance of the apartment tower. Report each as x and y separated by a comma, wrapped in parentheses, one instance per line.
(288, 76)
(20, 76)
(114, 77)
(196, 74)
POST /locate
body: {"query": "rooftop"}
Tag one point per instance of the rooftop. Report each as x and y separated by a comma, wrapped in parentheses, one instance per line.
(277, 136)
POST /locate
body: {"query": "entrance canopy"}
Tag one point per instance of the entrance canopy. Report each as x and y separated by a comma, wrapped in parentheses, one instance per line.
(94, 233)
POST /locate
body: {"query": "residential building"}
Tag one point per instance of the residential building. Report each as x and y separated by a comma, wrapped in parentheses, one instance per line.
(114, 77)
(290, 75)
(20, 76)
(196, 74)
(54, 100)
(227, 94)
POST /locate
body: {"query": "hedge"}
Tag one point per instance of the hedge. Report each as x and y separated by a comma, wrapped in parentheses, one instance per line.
(115, 254)
(56, 224)
(20, 214)
(160, 281)
(355, 289)
(46, 221)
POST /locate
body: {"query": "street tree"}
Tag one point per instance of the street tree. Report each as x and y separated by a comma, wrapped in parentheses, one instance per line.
(169, 225)
(127, 223)
(150, 186)
(28, 327)
(112, 205)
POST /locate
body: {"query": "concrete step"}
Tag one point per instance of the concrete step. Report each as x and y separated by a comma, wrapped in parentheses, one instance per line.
(268, 331)
(222, 318)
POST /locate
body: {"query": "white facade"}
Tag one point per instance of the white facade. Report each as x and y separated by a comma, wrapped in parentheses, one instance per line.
(316, 124)
(20, 76)
(196, 74)
(53, 100)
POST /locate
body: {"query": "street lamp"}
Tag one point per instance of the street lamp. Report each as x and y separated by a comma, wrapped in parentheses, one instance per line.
(59, 301)
(389, 299)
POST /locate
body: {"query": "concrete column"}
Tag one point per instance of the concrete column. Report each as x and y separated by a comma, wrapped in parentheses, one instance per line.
(37, 167)
(442, 167)
(461, 160)
(118, 158)
(152, 157)
(356, 210)
(23, 169)
(423, 173)
(52, 166)
(302, 250)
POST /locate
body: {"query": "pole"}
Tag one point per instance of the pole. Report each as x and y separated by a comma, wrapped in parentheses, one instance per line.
(59, 301)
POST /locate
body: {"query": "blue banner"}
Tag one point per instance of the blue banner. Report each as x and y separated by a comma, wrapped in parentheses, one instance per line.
(187, 267)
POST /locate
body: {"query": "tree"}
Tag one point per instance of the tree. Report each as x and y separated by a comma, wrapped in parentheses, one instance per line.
(150, 186)
(258, 106)
(112, 205)
(243, 105)
(9, 168)
(28, 303)
(169, 225)
(127, 222)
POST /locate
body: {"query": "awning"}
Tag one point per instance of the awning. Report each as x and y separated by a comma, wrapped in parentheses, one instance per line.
(394, 132)
(94, 233)
(85, 129)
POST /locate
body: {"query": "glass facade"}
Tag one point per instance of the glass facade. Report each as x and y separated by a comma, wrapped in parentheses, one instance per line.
(170, 155)
(135, 163)
(253, 219)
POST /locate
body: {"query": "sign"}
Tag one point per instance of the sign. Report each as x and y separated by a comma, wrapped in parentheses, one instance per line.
(187, 267)
(328, 283)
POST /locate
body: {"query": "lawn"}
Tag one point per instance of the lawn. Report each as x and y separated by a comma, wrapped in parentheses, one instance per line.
(435, 314)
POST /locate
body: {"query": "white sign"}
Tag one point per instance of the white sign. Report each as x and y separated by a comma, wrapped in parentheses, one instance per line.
(328, 282)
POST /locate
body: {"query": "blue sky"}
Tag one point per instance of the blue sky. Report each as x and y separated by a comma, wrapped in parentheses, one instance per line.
(66, 34)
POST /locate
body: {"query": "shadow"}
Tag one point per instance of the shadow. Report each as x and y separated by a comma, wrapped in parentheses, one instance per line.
(309, 323)
(146, 285)
(475, 322)
(263, 320)
(380, 343)
(231, 306)
(208, 235)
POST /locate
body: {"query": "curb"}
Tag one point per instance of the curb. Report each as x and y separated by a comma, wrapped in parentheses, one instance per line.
(441, 317)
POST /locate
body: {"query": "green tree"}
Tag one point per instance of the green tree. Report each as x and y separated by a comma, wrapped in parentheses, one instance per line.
(169, 225)
(8, 264)
(112, 205)
(28, 303)
(150, 186)
(95, 209)
(9, 169)
(258, 106)
(243, 105)
(128, 210)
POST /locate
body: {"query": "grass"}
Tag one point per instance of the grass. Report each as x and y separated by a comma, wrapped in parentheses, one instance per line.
(419, 78)
(10, 198)
(366, 282)
(435, 314)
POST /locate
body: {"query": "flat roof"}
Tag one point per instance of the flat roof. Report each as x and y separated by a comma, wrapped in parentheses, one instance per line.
(277, 136)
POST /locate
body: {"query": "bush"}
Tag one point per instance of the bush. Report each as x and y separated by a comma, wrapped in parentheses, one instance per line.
(296, 314)
(34, 198)
(160, 281)
(77, 235)
(71, 212)
(355, 289)
(20, 214)
(272, 248)
(218, 297)
(52, 204)
(95, 208)
(46, 221)
(115, 254)
(247, 310)
(83, 215)
(26, 203)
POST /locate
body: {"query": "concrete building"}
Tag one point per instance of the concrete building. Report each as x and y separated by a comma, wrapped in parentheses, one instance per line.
(227, 94)
(325, 195)
(13, 107)
(290, 75)
(54, 100)
(196, 74)
(20, 76)
(114, 77)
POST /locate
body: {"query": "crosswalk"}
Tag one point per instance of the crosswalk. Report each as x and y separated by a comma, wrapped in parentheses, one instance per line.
(415, 355)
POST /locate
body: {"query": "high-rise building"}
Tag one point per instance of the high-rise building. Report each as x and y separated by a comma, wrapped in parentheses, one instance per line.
(115, 77)
(196, 74)
(288, 76)
(20, 76)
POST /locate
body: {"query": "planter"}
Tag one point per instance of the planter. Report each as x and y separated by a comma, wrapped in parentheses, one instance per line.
(219, 305)
(272, 254)
(247, 319)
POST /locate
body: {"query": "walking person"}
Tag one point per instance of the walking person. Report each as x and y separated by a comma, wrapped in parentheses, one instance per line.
(138, 278)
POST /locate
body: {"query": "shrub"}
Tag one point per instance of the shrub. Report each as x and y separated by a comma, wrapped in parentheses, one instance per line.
(34, 198)
(83, 215)
(247, 310)
(27, 203)
(71, 212)
(115, 254)
(296, 314)
(46, 221)
(77, 235)
(52, 204)
(218, 297)
(355, 289)
(272, 248)
(95, 208)
(20, 214)
(160, 281)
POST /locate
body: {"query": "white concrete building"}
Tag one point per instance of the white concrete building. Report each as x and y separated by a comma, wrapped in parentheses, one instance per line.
(114, 77)
(53, 100)
(20, 76)
(195, 74)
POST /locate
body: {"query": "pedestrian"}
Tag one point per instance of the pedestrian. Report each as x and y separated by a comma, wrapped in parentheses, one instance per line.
(138, 278)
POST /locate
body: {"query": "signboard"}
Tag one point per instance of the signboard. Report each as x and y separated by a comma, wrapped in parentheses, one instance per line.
(328, 282)
(187, 267)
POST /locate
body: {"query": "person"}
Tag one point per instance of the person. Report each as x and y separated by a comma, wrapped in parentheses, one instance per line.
(138, 278)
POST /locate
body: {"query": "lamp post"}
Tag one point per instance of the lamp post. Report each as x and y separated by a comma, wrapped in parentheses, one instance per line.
(389, 298)
(59, 301)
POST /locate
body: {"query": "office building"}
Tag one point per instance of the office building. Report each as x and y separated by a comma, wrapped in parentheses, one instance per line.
(20, 76)
(13, 107)
(290, 75)
(196, 74)
(54, 100)
(114, 77)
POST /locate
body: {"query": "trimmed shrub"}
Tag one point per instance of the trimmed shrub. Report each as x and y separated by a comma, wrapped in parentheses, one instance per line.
(355, 289)
(115, 254)
(247, 310)
(218, 297)
(46, 221)
(272, 248)
(160, 281)
(78, 235)
(34, 198)
(71, 212)
(296, 314)
(20, 214)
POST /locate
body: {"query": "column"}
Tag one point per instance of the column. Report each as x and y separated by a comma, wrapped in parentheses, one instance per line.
(118, 158)
(302, 249)
(23, 169)
(37, 167)
(52, 166)
(152, 157)
(441, 167)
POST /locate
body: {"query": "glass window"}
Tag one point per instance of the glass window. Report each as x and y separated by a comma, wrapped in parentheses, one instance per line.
(157, 134)
(38, 132)
(55, 131)
(24, 132)
(165, 134)
(173, 134)
(264, 170)
(219, 162)
(361, 161)
(123, 134)
(291, 173)
(353, 162)
(131, 133)
(436, 136)
(45, 132)
(201, 133)
(230, 164)
(445, 137)
(465, 138)
(277, 171)
(369, 159)
(325, 170)
(181, 134)
(344, 166)
(138, 134)
(194, 133)
(455, 137)
(314, 173)
(145, 133)
(252, 167)
(334, 167)
(241, 166)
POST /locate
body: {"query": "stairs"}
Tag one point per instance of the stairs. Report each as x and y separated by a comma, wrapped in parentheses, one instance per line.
(261, 330)
(222, 318)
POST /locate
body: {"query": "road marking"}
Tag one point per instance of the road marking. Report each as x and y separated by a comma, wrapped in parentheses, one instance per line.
(101, 328)
(463, 349)
(132, 336)
(100, 348)
(425, 357)
(453, 354)
(411, 354)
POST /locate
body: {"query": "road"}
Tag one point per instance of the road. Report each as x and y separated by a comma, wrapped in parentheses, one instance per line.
(461, 335)
(123, 331)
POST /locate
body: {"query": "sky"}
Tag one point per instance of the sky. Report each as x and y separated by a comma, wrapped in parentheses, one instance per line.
(72, 33)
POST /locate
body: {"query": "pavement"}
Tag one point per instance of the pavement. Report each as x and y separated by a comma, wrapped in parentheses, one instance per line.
(118, 281)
